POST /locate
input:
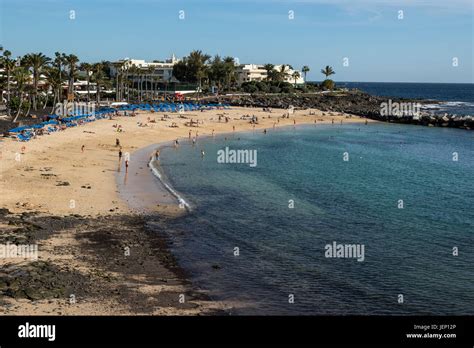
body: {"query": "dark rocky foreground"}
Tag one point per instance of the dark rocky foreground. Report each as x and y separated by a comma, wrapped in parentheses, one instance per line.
(353, 102)
(108, 274)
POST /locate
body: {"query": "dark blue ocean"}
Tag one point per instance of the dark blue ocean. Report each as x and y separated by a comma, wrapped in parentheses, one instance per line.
(408, 246)
(456, 98)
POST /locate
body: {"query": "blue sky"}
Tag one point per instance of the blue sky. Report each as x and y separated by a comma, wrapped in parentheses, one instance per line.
(380, 47)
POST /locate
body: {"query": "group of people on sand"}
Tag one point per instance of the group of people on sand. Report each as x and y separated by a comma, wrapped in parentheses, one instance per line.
(118, 128)
(226, 118)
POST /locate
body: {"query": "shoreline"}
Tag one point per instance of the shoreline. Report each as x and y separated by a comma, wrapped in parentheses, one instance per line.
(52, 173)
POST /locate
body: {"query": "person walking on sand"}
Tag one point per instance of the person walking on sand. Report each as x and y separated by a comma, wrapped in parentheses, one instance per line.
(82, 148)
(120, 155)
(117, 142)
(189, 134)
(233, 128)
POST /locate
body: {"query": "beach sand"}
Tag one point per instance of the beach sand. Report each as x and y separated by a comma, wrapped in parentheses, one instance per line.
(67, 202)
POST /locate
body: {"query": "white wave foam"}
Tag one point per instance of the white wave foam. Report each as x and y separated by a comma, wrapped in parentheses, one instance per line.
(157, 173)
(458, 103)
(430, 106)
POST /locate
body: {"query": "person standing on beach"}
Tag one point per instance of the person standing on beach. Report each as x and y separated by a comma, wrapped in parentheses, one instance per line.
(126, 166)
(213, 132)
(157, 155)
(233, 128)
(117, 142)
(120, 155)
(190, 133)
(82, 148)
(176, 143)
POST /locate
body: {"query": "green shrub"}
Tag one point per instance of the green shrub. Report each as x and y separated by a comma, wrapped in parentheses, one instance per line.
(328, 85)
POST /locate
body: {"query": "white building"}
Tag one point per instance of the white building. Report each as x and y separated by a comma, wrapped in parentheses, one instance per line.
(160, 71)
(250, 72)
(257, 72)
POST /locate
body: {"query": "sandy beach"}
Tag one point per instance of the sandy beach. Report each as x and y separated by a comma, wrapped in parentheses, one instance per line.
(91, 243)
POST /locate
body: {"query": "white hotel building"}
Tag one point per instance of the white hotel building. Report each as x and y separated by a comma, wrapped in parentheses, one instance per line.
(257, 72)
(163, 71)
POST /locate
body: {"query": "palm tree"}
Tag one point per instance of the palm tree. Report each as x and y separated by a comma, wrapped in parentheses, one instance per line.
(71, 61)
(151, 76)
(99, 78)
(54, 80)
(59, 61)
(283, 74)
(133, 72)
(229, 68)
(22, 77)
(296, 75)
(37, 61)
(9, 65)
(305, 70)
(270, 71)
(196, 63)
(88, 69)
(118, 67)
(328, 71)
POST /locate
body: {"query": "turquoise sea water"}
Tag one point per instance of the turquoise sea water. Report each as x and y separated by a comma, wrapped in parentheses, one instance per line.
(408, 251)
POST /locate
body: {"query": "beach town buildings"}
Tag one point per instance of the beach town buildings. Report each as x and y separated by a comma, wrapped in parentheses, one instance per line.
(157, 74)
(257, 72)
(162, 72)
